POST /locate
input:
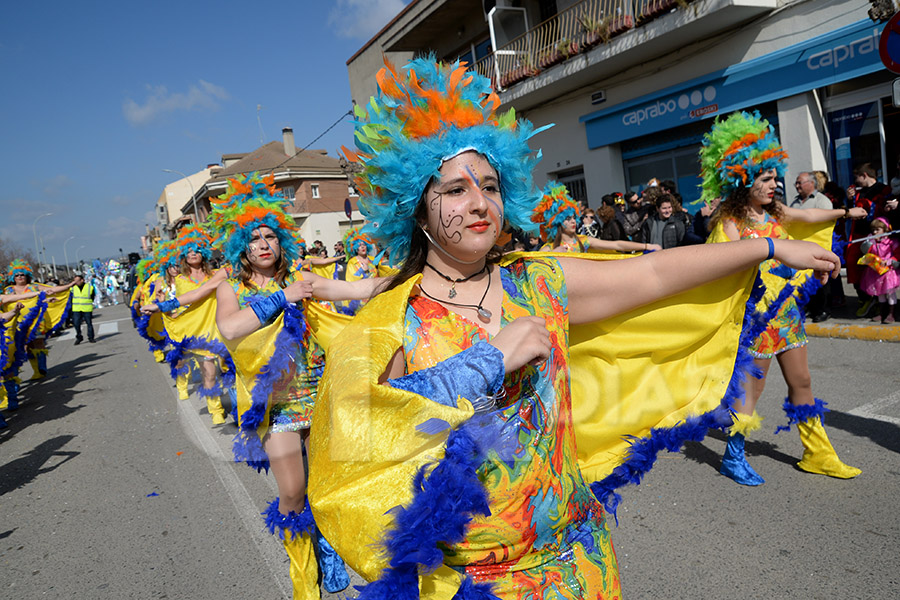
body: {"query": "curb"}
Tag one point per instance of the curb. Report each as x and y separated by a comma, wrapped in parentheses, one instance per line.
(871, 333)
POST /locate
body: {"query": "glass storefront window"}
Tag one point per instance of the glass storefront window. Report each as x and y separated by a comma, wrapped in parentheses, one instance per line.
(855, 139)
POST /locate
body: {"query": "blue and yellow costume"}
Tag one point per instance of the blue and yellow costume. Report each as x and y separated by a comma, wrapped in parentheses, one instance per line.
(735, 152)
(467, 483)
(278, 368)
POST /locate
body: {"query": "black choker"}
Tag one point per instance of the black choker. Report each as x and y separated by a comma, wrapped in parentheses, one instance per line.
(453, 282)
(483, 313)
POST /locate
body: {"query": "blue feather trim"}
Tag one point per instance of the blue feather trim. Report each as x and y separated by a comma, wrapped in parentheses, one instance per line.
(36, 314)
(801, 413)
(20, 340)
(292, 522)
(62, 321)
(247, 446)
(444, 501)
(212, 392)
(643, 452)
(154, 344)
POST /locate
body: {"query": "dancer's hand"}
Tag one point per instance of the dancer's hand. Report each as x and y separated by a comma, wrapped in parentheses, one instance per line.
(807, 255)
(298, 291)
(522, 342)
(149, 309)
(857, 212)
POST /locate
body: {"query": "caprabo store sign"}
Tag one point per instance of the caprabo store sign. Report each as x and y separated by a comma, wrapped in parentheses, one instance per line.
(842, 54)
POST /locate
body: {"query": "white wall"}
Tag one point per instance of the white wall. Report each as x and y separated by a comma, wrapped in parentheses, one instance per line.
(328, 227)
(802, 129)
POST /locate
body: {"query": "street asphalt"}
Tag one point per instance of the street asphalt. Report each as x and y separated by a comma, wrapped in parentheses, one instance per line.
(112, 488)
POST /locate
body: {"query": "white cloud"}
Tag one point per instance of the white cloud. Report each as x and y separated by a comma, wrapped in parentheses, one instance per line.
(361, 19)
(123, 226)
(160, 101)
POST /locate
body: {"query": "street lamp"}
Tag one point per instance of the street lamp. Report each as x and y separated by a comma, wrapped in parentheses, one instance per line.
(193, 193)
(36, 250)
(77, 260)
(66, 255)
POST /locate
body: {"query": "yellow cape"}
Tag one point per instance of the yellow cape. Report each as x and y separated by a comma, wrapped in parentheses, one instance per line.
(645, 369)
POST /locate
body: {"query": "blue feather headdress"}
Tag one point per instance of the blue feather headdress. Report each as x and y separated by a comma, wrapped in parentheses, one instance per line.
(193, 238)
(250, 203)
(433, 112)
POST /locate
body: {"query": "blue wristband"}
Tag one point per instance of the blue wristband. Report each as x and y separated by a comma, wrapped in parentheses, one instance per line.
(168, 305)
(771, 249)
(266, 308)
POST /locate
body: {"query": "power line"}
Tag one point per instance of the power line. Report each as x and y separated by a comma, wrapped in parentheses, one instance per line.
(333, 125)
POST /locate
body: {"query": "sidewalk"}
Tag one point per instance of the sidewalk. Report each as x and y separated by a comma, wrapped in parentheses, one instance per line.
(845, 324)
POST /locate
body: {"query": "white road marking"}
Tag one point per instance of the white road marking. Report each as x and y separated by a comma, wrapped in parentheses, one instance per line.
(100, 330)
(872, 409)
(272, 553)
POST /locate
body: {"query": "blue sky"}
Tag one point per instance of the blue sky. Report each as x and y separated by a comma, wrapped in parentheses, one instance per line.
(100, 97)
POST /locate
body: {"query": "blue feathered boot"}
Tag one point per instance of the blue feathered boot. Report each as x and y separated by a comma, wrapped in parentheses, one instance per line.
(734, 462)
(12, 394)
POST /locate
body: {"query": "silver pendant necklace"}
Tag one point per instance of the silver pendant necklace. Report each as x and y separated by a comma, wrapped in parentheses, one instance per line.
(483, 313)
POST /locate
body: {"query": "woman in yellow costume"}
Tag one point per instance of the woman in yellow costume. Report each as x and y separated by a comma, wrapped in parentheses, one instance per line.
(279, 361)
(741, 159)
(443, 451)
(14, 331)
(192, 331)
(53, 312)
(557, 215)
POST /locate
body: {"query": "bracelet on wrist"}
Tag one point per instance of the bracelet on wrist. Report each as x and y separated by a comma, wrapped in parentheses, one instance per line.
(771, 244)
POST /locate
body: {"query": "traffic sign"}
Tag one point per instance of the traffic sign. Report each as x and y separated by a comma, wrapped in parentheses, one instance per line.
(889, 44)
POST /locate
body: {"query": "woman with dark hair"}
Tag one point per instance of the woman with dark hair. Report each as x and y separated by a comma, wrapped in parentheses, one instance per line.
(741, 159)
(444, 427)
(557, 216)
(278, 352)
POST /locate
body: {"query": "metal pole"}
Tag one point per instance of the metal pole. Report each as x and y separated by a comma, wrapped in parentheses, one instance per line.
(66, 255)
(193, 193)
(34, 231)
(77, 260)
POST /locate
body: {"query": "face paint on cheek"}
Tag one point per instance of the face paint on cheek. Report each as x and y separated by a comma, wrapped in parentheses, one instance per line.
(448, 230)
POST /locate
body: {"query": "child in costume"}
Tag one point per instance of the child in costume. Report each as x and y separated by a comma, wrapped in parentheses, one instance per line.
(880, 279)
(445, 429)
(279, 361)
(557, 215)
(741, 158)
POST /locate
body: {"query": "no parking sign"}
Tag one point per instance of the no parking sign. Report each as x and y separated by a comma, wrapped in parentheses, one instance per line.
(889, 45)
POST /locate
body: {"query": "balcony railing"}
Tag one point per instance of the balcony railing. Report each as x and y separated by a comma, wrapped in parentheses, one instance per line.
(577, 29)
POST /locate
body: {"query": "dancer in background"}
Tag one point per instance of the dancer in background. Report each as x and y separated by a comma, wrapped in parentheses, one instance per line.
(741, 159)
(557, 215)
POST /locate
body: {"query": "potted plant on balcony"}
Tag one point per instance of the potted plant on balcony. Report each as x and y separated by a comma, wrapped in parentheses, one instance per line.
(596, 31)
(549, 57)
(620, 25)
(568, 47)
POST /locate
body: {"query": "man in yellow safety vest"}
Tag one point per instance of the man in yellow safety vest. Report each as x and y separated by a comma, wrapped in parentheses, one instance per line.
(83, 308)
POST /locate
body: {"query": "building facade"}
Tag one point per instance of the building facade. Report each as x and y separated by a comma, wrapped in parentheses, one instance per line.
(314, 183)
(632, 85)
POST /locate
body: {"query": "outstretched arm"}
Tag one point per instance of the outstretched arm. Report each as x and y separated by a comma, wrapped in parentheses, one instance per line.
(194, 295)
(336, 289)
(820, 215)
(4, 298)
(598, 290)
(621, 245)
